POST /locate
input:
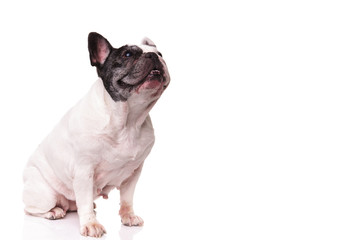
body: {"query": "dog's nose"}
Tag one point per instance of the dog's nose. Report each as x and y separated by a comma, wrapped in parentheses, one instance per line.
(151, 55)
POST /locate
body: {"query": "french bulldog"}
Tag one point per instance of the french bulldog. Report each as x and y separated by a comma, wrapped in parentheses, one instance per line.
(102, 142)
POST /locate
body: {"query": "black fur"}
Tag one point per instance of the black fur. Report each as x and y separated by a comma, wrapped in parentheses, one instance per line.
(124, 68)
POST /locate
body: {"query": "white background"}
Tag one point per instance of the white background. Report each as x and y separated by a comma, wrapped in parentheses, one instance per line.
(257, 135)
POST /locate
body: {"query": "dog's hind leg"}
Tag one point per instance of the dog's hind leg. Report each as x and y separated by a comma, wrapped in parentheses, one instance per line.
(39, 198)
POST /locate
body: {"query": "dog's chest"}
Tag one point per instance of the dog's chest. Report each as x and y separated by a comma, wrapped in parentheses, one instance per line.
(121, 154)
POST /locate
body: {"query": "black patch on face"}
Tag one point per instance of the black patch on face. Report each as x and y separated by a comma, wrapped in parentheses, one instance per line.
(125, 69)
(117, 67)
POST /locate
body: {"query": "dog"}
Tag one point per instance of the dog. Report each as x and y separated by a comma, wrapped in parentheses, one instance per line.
(102, 142)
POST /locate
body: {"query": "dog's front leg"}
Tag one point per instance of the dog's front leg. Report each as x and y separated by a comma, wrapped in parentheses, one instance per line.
(83, 189)
(127, 189)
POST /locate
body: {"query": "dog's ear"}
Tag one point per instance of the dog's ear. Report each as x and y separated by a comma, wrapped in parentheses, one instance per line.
(147, 41)
(99, 49)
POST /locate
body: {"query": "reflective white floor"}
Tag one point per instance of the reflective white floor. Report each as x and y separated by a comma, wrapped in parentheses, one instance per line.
(35, 228)
(68, 228)
(170, 222)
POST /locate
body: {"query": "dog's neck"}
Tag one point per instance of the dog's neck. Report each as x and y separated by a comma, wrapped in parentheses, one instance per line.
(129, 114)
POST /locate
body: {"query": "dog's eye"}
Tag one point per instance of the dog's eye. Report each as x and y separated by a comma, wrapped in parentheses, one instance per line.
(159, 53)
(128, 54)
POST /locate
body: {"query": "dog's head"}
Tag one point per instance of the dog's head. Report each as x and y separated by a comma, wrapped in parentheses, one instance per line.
(129, 71)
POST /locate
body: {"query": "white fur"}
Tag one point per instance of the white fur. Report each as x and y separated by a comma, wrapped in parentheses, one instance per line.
(97, 146)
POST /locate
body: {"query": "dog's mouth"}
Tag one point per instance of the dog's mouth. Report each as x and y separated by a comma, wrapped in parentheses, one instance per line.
(153, 81)
(154, 75)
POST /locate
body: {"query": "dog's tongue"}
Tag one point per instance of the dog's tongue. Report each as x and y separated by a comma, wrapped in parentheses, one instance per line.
(153, 80)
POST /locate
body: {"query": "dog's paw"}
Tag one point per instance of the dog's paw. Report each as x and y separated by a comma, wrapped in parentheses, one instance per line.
(132, 220)
(92, 229)
(55, 213)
